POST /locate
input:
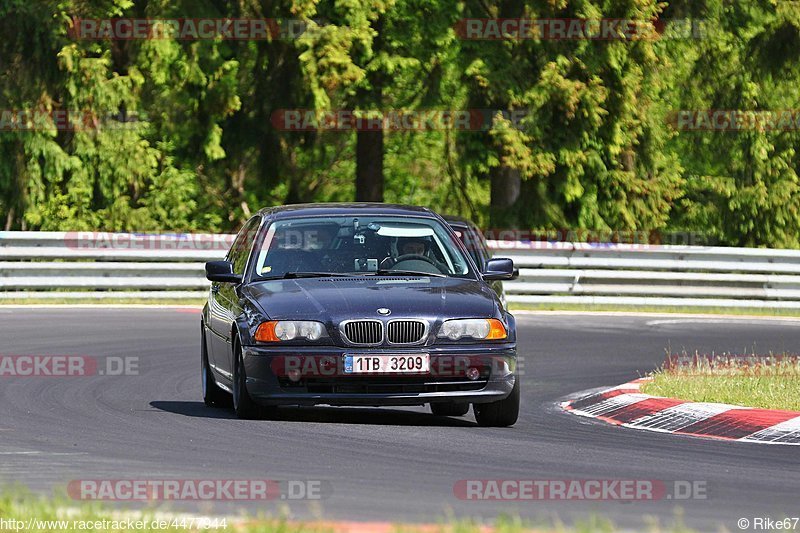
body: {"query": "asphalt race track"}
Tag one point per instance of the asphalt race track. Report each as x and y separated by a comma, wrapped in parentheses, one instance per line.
(382, 464)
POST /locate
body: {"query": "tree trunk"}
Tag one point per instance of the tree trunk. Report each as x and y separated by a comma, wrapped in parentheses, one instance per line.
(9, 219)
(369, 143)
(505, 189)
(369, 166)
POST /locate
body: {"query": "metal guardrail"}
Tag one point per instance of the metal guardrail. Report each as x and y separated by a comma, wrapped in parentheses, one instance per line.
(96, 265)
(67, 265)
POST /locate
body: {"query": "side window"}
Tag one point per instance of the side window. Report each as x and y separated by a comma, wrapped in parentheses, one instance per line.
(468, 237)
(479, 259)
(240, 249)
(487, 254)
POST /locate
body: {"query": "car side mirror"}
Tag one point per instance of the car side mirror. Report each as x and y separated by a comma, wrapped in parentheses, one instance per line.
(499, 269)
(222, 272)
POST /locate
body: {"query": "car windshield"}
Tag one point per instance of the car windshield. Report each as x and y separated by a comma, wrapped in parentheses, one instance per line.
(366, 245)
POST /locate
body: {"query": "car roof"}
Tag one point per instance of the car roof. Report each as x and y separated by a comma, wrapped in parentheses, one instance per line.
(459, 221)
(322, 209)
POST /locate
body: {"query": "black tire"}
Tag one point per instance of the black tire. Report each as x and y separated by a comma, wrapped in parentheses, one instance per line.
(449, 409)
(213, 396)
(243, 405)
(502, 413)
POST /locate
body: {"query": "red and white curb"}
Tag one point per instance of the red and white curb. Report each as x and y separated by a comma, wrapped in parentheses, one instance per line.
(626, 406)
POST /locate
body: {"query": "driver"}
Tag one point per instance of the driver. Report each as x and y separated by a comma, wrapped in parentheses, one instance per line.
(411, 246)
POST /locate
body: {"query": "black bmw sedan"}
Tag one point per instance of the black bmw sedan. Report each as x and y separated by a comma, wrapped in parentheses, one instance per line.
(357, 304)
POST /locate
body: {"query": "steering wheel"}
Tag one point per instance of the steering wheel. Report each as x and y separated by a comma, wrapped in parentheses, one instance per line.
(417, 257)
(410, 257)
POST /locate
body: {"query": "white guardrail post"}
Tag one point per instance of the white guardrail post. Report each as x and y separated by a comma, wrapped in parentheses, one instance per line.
(64, 265)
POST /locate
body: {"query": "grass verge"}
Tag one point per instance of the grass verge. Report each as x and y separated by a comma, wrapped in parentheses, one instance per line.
(766, 381)
(600, 308)
(22, 511)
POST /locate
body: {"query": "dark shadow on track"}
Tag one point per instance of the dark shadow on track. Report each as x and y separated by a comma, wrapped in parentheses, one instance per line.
(194, 409)
(325, 415)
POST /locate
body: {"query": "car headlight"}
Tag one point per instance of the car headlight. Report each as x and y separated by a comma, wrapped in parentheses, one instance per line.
(476, 328)
(287, 330)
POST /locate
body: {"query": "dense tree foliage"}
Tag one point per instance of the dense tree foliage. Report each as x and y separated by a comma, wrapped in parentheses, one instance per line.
(598, 134)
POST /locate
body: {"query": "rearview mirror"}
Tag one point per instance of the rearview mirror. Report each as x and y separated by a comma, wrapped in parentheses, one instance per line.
(499, 269)
(222, 272)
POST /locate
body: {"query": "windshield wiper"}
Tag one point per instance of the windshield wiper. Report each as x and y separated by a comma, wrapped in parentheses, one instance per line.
(295, 275)
(386, 272)
(380, 272)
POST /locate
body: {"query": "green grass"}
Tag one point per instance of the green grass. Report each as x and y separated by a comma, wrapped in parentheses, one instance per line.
(769, 382)
(61, 514)
(599, 308)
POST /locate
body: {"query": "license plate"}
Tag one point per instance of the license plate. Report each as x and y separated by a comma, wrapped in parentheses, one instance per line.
(387, 364)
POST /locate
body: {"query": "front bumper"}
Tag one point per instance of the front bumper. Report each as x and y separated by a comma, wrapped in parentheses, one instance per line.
(305, 375)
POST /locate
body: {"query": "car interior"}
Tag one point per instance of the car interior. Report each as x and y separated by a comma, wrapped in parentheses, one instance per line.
(346, 248)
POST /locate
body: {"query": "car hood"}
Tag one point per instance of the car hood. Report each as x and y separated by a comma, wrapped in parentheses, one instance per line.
(337, 298)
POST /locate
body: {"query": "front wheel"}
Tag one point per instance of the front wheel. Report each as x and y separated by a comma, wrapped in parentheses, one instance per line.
(502, 413)
(213, 396)
(243, 404)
